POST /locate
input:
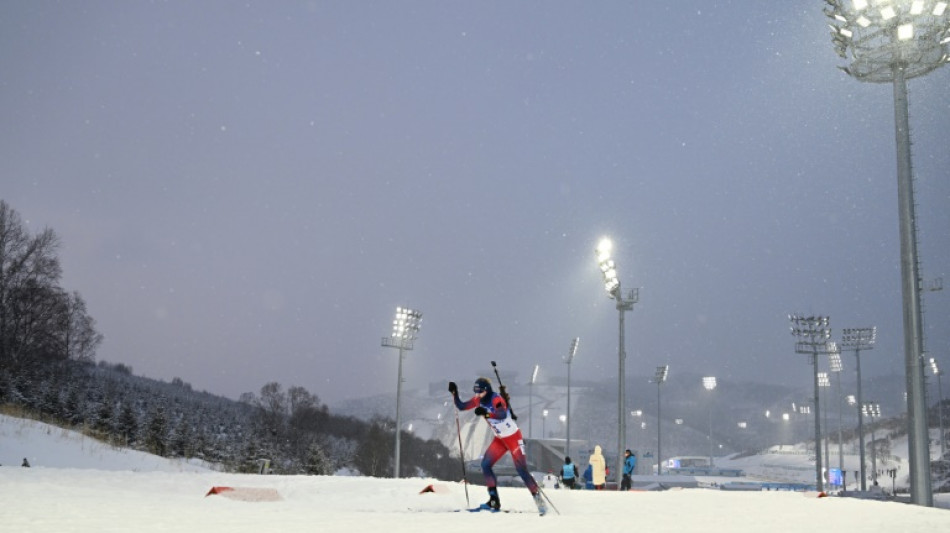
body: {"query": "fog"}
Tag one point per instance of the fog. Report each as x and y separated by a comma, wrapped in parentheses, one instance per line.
(245, 193)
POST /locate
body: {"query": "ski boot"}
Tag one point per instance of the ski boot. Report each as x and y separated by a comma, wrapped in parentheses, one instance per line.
(493, 502)
(539, 501)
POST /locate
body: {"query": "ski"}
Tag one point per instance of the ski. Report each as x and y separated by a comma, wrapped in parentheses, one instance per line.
(486, 509)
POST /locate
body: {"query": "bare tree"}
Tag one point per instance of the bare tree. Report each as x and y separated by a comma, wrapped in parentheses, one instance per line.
(39, 321)
(29, 273)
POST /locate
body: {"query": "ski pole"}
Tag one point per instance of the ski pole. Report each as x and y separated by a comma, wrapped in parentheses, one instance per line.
(504, 392)
(458, 427)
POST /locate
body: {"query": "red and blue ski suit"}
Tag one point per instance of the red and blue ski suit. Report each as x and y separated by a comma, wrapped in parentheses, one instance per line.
(508, 438)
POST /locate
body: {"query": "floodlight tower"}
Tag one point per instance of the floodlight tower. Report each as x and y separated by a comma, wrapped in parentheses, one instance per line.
(405, 327)
(570, 359)
(943, 436)
(534, 377)
(859, 339)
(813, 333)
(872, 410)
(624, 304)
(709, 383)
(892, 41)
(662, 372)
(825, 382)
(834, 360)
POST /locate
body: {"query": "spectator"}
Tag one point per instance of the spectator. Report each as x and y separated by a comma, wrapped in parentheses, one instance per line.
(588, 478)
(569, 473)
(629, 465)
(26, 464)
(598, 469)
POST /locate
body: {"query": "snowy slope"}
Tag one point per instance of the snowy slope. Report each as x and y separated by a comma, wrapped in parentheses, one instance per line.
(85, 487)
(54, 447)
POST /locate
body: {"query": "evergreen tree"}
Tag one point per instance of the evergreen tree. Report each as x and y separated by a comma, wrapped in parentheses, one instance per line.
(373, 456)
(318, 462)
(104, 415)
(157, 433)
(127, 424)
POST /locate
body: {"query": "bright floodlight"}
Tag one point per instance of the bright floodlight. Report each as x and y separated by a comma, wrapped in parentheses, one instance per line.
(875, 38)
(406, 325)
(607, 266)
(834, 357)
(709, 382)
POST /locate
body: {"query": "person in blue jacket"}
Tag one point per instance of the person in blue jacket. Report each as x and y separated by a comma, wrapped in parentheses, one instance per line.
(569, 473)
(629, 465)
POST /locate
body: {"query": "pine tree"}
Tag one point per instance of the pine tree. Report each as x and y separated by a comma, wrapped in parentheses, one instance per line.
(104, 416)
(157, 432)
(127, 425)
(318, 462)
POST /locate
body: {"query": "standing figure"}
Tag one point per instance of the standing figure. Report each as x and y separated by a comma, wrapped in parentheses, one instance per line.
(598, 469)
(629, 465)
(568, 473)
(508, 439)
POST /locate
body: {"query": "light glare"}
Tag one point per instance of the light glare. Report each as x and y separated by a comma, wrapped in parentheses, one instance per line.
(905, 32)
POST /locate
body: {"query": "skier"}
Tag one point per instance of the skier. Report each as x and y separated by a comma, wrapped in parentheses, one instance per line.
(494, 408)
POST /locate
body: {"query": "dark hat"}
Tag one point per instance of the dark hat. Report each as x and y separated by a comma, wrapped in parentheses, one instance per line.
(482, 385)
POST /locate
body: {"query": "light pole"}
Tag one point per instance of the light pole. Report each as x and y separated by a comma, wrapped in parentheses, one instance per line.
(825, 382)
(812, 333)
(853, 402)
(534, 377)
(872, 411)
(943, 437)
(662, 372)
(891, 42)
(405, 326)
(544, 419)
(570, 359)
(859, 339)
(624, 304)
(834, 360)
(709, 383)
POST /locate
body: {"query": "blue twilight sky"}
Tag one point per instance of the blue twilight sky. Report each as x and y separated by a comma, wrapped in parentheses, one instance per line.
(245, 191)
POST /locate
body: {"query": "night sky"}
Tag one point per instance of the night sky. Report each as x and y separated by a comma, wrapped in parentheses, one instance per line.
(245, 191)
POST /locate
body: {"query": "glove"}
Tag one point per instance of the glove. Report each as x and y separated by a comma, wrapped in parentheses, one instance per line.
(453, 388)
(481, 411)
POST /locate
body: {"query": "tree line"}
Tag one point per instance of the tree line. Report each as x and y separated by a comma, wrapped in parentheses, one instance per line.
(48, 344)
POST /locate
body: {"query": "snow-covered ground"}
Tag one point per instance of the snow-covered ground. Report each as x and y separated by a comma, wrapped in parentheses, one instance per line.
(78, 485)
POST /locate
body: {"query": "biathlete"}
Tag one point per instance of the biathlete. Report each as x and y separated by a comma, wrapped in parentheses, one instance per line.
(494, 408)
